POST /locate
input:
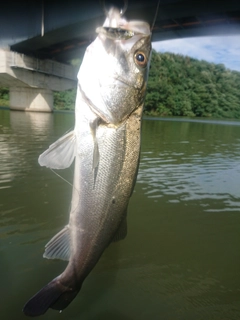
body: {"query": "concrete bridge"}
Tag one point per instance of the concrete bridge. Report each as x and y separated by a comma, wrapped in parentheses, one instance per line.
(38, 38)
(32, 80)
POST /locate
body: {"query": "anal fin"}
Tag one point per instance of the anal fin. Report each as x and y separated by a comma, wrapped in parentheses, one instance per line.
(59, 246)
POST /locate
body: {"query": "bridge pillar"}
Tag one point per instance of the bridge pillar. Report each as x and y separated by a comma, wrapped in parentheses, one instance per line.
(31, 99)
(32, 81)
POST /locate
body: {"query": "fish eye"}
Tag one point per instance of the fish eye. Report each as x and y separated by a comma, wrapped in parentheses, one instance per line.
(140, 59)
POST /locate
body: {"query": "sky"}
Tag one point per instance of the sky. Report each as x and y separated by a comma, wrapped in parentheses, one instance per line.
(216, 49)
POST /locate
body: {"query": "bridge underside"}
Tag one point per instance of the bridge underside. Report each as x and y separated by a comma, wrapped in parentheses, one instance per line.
(32, 81)
(175, 19)
(43, 33)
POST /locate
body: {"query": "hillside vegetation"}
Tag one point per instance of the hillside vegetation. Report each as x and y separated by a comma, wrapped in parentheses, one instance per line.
(182, 86)
(178, 86)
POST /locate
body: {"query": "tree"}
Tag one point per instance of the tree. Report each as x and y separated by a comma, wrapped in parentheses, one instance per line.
(183, 86)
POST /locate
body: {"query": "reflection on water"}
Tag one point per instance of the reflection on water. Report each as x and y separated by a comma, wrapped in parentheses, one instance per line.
(181, 258)
(19, 133)
(196, 162)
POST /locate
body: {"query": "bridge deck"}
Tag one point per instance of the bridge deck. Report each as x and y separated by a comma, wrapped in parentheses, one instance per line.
(69, 26)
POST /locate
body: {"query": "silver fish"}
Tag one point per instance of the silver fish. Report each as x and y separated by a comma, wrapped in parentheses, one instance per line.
(105, 144)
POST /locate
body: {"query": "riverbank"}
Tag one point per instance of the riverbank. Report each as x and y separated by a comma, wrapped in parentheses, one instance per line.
(178, 86)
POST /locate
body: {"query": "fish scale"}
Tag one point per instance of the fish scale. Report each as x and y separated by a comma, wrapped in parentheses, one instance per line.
(105, 144)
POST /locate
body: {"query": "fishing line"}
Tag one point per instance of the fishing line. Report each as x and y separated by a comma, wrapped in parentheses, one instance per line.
(42, 22)
(61, 177)
(71, 129)
(65, 180)
(155, 17)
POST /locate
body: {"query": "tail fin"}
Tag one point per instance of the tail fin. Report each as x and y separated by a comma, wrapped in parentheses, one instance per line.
(54, 295)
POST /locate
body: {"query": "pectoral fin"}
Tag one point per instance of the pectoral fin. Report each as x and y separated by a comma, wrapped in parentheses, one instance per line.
(60, 154)
(93, 126)
(95, 155)
(59, 246)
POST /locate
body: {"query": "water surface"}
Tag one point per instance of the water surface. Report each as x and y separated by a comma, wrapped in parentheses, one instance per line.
(181, 258)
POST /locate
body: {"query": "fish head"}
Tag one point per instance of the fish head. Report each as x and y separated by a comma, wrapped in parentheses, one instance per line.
(114, 72)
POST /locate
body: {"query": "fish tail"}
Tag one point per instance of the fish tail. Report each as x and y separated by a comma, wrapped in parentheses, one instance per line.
(54, 295)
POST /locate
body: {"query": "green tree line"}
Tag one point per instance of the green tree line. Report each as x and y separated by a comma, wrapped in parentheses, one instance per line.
(178, 86)
(182, 86)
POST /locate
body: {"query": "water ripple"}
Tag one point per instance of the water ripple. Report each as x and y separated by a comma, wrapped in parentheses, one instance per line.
(194, 172)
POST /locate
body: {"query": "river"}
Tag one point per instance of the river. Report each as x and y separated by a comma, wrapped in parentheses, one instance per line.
(181, 258)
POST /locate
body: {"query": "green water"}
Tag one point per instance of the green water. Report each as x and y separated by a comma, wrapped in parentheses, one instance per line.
(181, 258)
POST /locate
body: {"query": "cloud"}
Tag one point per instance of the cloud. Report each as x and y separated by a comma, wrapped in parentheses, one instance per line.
(216, 49)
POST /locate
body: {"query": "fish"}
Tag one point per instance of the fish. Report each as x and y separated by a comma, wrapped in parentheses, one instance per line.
(105, 145)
